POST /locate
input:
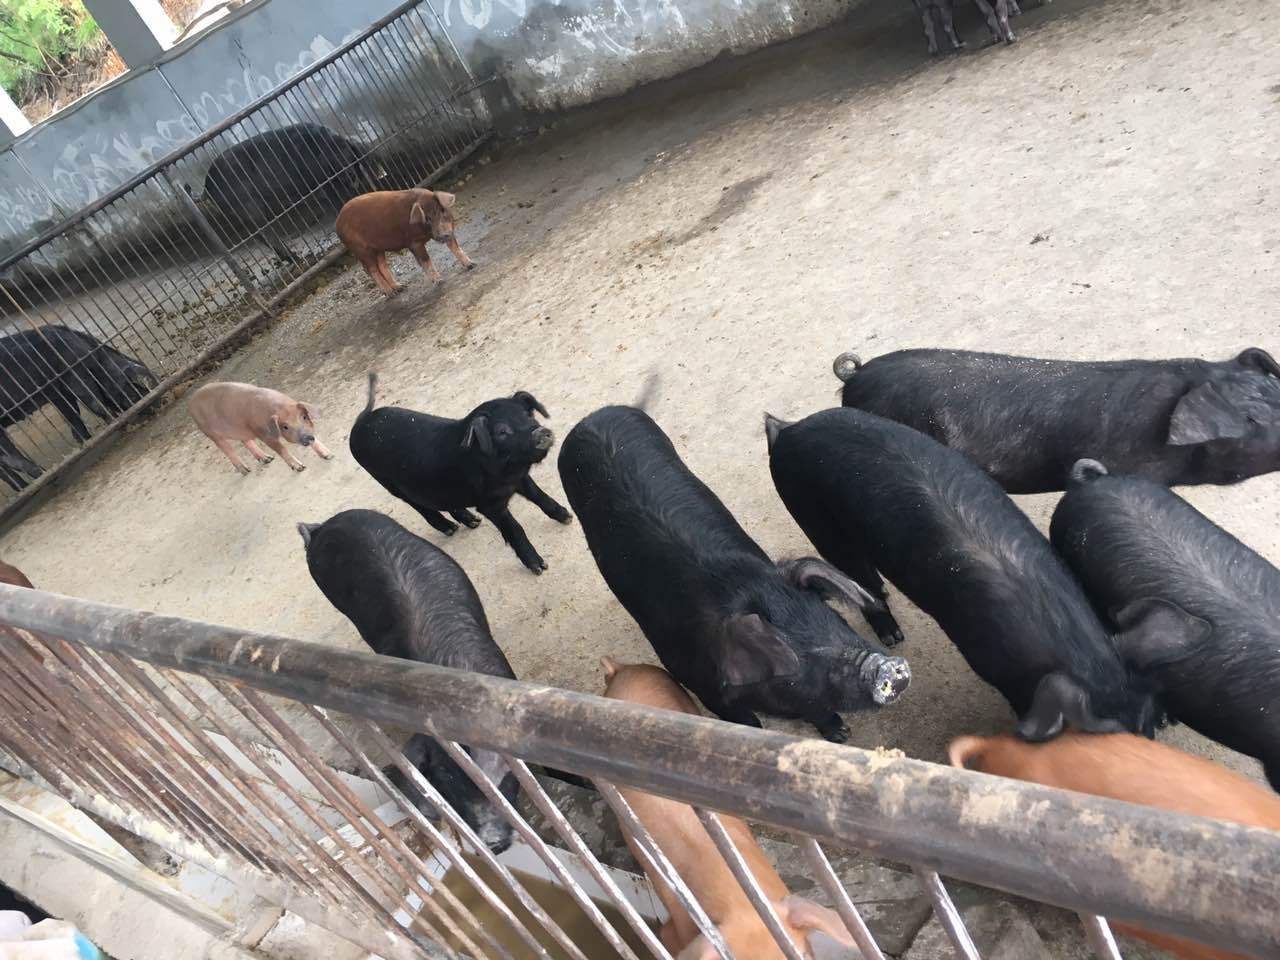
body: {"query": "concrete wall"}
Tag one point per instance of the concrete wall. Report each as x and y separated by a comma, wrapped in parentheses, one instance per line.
(553, 54)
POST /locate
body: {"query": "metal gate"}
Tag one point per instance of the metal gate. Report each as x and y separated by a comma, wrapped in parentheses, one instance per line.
(177, 731)
(105, 312)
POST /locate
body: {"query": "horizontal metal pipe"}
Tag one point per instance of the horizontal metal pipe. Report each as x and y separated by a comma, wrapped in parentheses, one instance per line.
(1190, 876)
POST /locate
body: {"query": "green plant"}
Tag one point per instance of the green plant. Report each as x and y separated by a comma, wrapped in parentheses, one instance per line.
(38, 38)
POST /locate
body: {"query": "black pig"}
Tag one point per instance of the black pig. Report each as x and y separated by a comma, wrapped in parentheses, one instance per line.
(1027, 421)
(278, 181)
(874, 495)
(13, 464)
(409, 599)
(435, 464)
(67, 369)
(742, 633)
(1200, 610)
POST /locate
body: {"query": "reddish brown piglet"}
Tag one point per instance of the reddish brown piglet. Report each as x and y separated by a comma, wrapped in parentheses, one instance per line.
(1125, 767)
(227, 413)
(375, 224)
(682, 837)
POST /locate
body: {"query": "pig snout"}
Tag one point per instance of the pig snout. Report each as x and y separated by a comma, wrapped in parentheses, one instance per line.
(884, 678)
(494, 832)
(543, 439)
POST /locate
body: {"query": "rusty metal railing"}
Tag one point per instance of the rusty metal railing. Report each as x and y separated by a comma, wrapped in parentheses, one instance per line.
(224, 746)
(183, 257)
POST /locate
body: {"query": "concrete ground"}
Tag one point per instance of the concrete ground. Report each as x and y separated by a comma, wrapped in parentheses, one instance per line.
(1106, 188)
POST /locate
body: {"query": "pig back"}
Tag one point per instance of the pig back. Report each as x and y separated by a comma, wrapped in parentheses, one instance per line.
(663, 541)
(1129, 539)
(1025, 421)
(868, 491)
(405, 596)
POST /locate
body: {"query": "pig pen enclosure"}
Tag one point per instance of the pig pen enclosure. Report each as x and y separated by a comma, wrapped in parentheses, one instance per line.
(170, 266)
(1103, 189)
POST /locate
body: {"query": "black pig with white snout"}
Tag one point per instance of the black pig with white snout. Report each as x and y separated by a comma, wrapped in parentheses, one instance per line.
(439, 465)
(1200, 611)
(744, 634)
(877, 497)
(1026, 421)
(409, 599)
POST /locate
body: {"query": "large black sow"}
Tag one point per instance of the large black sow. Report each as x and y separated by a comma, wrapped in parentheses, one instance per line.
(1200, 611)
(743, 633)
(877, 497)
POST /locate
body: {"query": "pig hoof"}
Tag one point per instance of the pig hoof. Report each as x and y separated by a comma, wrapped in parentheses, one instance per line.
(299, 468)
(472, 524)
(243, 471)
(265, 460)
(833, 729)
(471, 265)
(327, 456)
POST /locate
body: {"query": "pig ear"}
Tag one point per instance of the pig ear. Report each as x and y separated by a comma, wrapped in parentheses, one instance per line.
(308, 409)
(530, 402)
(810, 573)
(447, 200)
(751, 651)
(1155, 632)
(273, 427)
(478, 433)
(1258, 359)
(417, 214)
(1205, 414)
(808, 917)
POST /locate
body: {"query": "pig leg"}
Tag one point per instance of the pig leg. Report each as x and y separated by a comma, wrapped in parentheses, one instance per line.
(419, 251)
(375, 267)
(949, 25)
(225, 447)
(926, 18)
(70, 411)
(253, 448)
(321, 450)
(990, 16)
(278, 446)
(514, 535)
(848, 559)
(389, 285)
(538, 497)
(466, 518)
(832, 727)
(456, 250)
(433, 517)
(1002, 15)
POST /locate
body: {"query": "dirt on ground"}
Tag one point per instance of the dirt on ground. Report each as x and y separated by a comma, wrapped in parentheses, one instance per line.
(1104, 189)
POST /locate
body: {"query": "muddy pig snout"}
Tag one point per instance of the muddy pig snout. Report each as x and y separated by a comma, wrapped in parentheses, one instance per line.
(306, 438)
(543, 438)
(886, 678)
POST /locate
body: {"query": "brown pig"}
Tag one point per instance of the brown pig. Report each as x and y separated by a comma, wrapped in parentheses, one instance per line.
(12, 575)
(1126, 767)
(227, 412)
(678, 831)
(375, 224)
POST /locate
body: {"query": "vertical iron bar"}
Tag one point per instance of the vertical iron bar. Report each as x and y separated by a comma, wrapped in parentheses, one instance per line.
(1098, 932)
(947, 914)
(747, 881)
(534, 790)
(655, 863)
(853, 921)
(530, 836)
(414, 815)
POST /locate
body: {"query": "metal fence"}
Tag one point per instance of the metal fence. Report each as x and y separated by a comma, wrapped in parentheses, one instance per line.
(173, 264)
(175, 730)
